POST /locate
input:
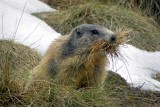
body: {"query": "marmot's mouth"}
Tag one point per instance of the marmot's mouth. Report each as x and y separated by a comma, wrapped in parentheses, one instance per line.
(111, 48)
(104, 46)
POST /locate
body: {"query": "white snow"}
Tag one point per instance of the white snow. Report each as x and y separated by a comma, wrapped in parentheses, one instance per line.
(24, 27)
(33, 6)
(136, 66)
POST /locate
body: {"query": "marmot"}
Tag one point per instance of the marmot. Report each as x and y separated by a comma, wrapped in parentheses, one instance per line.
(79, 58)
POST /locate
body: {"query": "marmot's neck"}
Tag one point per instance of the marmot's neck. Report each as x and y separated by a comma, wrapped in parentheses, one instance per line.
(96, 60)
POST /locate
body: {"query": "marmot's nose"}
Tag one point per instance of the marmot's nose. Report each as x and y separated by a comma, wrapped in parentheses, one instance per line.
(113, 38)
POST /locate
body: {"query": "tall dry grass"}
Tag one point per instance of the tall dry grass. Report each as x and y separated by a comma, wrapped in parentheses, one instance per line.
(15, 62)
(144, 32)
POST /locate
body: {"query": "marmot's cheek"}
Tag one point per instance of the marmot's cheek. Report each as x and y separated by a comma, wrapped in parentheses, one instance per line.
(84, 41)
(82, 44)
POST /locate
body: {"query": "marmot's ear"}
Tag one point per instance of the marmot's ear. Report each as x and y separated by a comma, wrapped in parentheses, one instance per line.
(78, 32)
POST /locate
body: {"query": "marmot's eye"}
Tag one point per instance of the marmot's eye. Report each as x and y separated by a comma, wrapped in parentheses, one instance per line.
(95, 32)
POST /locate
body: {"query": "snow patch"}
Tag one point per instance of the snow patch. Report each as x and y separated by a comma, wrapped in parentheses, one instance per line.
(18, 25)
(137, 67)
(33, 6)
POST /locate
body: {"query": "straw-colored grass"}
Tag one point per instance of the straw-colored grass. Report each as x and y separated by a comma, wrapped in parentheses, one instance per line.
(145, 31)
(157, 76)
(63, 4)
(115, 92)
(18, 55)
(149, 7)
(15, 62)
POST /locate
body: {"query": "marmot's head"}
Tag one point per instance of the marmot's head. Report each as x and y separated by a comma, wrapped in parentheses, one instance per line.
(88, 37)
(87, 34)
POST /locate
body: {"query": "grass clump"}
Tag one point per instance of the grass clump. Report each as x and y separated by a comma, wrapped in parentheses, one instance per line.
(127, 96)
(13, 71)
(156, 76)
(63, 4)
(144, 30)
(149, 7)
(15, 61)
(17, 55)
(115, 92)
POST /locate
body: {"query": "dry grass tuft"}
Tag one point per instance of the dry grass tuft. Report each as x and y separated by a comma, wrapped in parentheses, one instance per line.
(150, 8)
(63, 4)
(157, 76)
(18, 55)
(145, 31)
(112, 48)
(15, 61)
(116, 91)
(121, 40)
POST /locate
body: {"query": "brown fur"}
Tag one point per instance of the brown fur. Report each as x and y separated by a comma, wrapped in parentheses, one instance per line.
(81, 76)
(77, 70)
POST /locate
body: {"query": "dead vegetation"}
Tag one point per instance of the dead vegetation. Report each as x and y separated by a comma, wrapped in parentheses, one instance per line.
(150, 8)
(157, 76)
(145, 31)
(16, 62)
(115, 90)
